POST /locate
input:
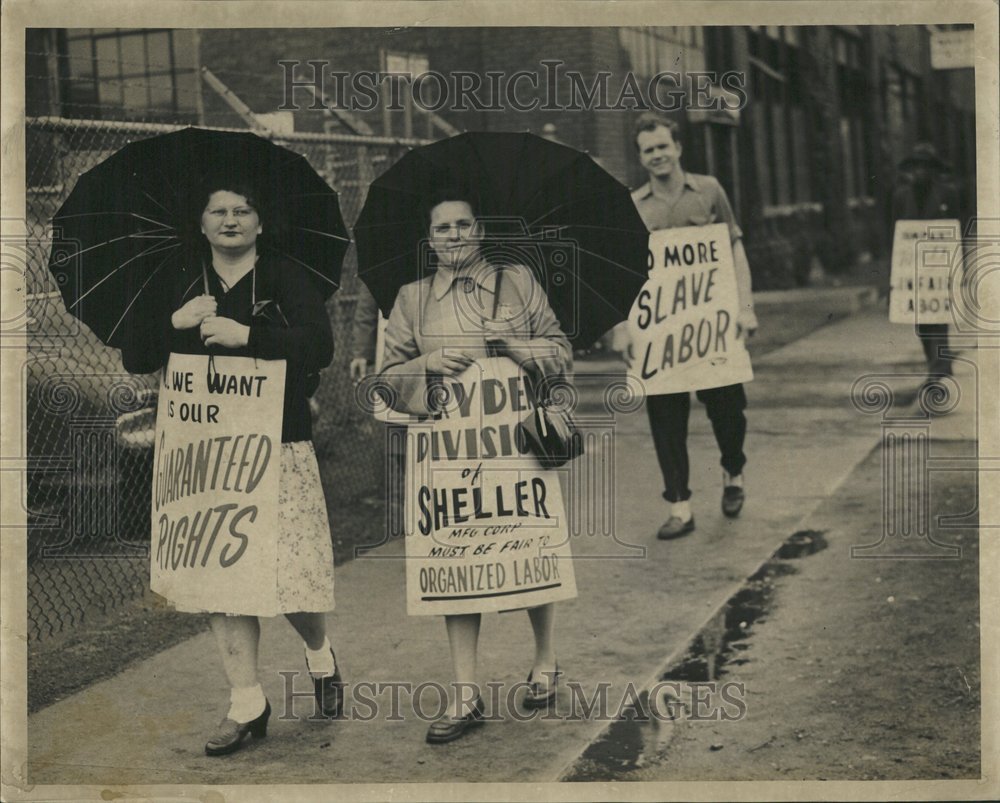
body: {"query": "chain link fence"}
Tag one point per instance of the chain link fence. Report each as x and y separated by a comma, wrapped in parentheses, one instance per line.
(89, 477)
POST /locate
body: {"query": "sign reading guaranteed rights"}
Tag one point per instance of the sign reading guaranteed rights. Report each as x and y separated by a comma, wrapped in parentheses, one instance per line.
(683, 322)
(486, 527)
(216, 469)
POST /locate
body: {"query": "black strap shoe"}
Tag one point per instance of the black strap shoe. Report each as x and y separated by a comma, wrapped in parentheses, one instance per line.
(232, 734)
(541, 695)
(448, 729)
(329, 691)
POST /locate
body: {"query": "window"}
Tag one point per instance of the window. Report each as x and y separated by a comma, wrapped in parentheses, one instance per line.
(779, 122)
(122, 73)
(853, 96)
(675, 48)
(396, 121)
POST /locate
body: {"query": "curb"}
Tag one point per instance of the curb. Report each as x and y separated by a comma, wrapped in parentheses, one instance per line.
(837, 300)
(674, 657)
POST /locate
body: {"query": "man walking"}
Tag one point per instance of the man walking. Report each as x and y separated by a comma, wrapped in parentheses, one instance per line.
(927, 195)
(673, 198)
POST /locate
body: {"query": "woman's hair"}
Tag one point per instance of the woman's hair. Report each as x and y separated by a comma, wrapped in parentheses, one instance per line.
(198, 248)
(445, 193)
(238, 186)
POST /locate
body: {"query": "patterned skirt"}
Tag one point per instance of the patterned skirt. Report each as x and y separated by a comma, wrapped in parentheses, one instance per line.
(303, 572)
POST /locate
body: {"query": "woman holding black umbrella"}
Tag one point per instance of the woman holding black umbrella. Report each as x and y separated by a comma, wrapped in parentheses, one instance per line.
(271, 309)
(168, 253)
(492, 327)
(469, 309)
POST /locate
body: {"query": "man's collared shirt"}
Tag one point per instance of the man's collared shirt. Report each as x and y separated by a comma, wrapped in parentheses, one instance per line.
(702, 201)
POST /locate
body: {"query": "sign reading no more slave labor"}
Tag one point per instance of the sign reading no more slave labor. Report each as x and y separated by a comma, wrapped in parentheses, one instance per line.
(925, 256)
(216, 472)
(683, 322)
(486, 527)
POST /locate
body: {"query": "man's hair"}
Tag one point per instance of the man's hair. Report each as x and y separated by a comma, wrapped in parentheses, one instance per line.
(649, 121)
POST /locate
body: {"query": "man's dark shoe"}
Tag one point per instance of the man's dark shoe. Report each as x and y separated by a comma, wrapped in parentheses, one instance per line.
(732, 500)
(675, 527)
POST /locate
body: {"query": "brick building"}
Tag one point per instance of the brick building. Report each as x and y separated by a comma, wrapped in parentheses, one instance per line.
(808, 159)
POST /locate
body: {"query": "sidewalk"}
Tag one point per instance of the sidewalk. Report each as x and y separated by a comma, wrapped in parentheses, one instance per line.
(637, 607)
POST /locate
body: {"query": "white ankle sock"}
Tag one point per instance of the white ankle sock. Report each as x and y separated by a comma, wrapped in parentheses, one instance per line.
(732, 479)
(681, 510)
(320, 662)
(246, 704)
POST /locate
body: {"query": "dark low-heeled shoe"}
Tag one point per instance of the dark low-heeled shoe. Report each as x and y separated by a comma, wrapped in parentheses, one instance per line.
(330, 692)
(231, 733)
(732, 500)
(447, 729)
(539, 696)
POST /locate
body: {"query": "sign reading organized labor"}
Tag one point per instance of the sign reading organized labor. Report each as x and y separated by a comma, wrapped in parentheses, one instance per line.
(683, 322)
(925, 256)
(216, 469)
(486, 527)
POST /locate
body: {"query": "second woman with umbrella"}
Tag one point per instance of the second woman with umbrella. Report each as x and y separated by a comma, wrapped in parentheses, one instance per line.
(575, 251)
(438, 328)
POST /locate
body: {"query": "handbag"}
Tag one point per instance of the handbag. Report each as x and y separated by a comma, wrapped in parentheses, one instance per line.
(549, 432)
(551, 435)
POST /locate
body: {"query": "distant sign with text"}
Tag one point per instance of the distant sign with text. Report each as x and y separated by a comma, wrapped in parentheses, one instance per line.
(924, 254)
(953, 50)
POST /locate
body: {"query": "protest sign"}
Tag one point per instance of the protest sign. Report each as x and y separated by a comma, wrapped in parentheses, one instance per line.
(486, 527)
(683, 322)
(924, 255)
(216, 470)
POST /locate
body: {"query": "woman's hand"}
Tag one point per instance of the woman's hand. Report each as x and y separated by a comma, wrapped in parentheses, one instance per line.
(226, 332)
(194, 312)
(449, 362)
(518, 349)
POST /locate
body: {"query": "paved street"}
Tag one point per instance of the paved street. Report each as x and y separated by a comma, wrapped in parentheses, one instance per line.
(640, 603)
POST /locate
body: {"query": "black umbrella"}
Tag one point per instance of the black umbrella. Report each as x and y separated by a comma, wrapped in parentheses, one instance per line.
(546, 205)
(132, 222)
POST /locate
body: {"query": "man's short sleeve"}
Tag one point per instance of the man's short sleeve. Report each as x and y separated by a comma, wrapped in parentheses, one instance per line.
(725, 211)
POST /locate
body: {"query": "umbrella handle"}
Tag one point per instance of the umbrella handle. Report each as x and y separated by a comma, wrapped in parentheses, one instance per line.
(496, 291)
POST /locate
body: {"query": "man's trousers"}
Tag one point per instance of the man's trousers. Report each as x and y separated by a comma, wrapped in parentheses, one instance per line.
(668, 419)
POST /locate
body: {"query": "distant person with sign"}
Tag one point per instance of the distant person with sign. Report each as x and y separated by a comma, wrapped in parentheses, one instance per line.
(699, 303)
(921, 294)
(470, 347)
(240, 526)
